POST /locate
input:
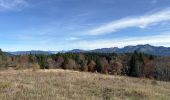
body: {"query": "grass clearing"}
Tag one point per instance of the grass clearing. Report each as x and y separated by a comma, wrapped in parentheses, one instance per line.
(72, 85)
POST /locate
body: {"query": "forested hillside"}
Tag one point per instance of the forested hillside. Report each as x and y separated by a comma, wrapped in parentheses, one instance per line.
(130, 64)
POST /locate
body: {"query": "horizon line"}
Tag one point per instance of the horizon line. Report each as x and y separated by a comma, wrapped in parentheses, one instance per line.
(84, 49)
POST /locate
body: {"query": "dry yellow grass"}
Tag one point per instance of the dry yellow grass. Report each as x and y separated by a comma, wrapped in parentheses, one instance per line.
(72, 85)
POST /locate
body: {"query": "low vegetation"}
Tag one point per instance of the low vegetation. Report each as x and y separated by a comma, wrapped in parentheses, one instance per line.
(60, 84)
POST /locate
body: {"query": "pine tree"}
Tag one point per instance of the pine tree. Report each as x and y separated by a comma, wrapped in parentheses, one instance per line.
(42, 61)
(137, 64)
(98, 65)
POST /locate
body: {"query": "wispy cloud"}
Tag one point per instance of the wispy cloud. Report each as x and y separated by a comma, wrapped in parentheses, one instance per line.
(162, 39)
(140, 22)
(72, 38)
(12, 4)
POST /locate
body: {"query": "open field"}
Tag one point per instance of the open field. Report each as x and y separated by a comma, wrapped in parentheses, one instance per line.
(71, 85)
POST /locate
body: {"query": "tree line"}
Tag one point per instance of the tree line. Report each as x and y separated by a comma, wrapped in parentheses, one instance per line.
(130, 64)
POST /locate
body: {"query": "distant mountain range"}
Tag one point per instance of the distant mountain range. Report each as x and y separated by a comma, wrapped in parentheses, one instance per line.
(149, 49)
(31, 52)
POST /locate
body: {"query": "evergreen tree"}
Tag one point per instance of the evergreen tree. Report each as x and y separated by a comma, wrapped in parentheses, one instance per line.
(98, 65)
(42, 61)
(82, 65)
(137, 64)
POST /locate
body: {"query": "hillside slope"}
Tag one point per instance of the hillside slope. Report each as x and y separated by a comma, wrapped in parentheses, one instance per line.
(73, 85)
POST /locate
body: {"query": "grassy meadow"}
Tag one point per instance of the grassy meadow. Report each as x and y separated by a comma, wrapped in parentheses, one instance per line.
(72, 85)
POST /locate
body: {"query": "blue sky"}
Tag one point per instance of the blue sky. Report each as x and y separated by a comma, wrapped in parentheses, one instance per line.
(83, 24)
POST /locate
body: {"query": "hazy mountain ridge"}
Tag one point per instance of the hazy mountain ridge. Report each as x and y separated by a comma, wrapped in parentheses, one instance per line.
(31, 52)
(149, 49)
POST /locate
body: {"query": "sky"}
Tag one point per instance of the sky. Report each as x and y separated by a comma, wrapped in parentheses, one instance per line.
(82, 24)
